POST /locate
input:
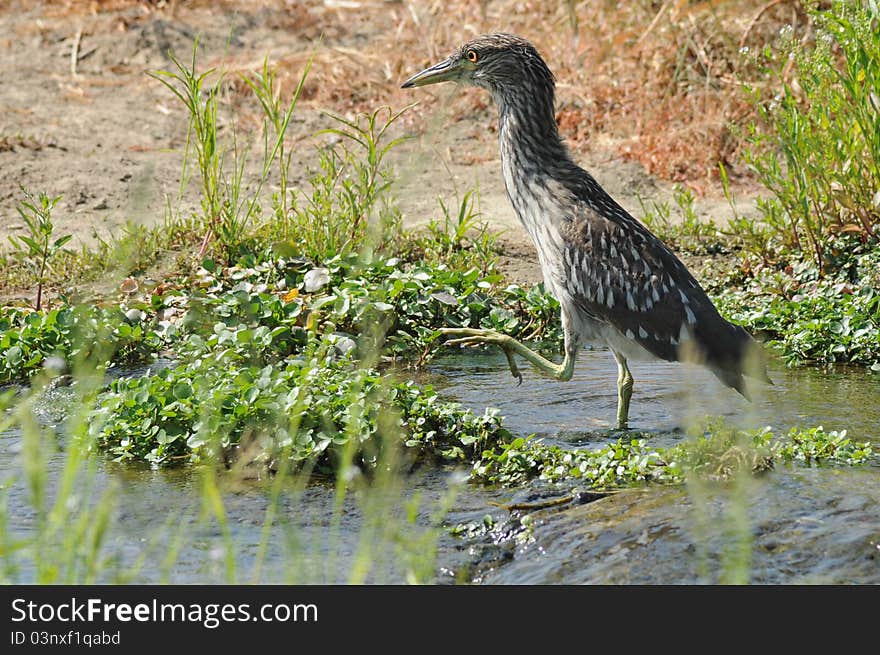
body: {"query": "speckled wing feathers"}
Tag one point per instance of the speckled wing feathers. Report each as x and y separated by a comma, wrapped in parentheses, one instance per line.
(620, 274)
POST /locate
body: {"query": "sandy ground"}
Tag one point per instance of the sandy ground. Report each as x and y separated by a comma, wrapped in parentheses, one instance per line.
(80, 118)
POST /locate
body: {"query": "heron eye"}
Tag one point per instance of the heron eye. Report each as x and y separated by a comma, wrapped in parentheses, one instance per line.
(472, 56)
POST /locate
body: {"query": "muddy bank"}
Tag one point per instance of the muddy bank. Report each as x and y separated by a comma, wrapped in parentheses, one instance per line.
(83, 120)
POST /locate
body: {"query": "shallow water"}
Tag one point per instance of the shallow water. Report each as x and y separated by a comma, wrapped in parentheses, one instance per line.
(796, 524)
(804, 526)
(312, 541)
(667, 397)
(801, 525)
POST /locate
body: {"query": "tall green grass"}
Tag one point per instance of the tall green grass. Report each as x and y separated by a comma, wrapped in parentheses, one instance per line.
(817, 146)
(230, 199)
(347, 207)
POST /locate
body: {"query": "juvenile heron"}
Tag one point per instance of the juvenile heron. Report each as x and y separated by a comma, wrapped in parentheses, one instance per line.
(615, 281)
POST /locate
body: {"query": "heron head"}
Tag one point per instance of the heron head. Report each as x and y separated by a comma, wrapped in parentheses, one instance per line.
(494, 62)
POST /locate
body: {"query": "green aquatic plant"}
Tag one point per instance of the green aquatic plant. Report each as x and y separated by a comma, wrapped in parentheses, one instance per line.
(719, 454)
(304, 412)
(105, 336)
(266, 307)
(816, 446)
(812, 320)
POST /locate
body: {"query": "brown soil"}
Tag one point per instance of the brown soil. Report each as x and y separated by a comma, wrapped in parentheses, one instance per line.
(95, 129)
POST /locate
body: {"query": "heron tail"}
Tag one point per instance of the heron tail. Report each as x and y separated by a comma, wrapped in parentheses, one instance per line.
(732, 354)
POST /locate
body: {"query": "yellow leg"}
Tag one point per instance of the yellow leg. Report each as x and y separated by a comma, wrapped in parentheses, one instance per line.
(624, 391)
(510, 346)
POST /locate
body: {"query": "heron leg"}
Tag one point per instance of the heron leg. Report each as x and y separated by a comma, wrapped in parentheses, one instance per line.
(511, 347)
(624, 391)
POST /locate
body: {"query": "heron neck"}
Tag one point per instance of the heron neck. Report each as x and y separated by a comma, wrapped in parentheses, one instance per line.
(528, 134)
(538, 169)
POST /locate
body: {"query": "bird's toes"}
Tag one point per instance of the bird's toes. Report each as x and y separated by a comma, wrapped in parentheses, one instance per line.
(459, 332)
(464, 341)
(471, 336)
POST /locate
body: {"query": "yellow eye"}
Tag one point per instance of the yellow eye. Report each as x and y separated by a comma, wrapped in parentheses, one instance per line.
(472, 56)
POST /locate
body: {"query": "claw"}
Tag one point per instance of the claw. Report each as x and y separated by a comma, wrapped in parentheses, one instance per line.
(514, 369)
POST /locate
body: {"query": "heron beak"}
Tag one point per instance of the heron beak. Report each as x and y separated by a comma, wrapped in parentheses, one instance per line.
(446, 70)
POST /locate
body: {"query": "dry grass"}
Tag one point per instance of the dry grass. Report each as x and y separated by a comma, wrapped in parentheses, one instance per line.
(656, 82)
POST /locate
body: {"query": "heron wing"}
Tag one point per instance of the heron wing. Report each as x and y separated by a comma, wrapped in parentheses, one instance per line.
(620, 274)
